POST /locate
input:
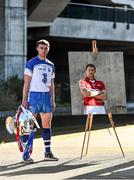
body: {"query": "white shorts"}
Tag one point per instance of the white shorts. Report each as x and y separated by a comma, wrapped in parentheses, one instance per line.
(94, 110)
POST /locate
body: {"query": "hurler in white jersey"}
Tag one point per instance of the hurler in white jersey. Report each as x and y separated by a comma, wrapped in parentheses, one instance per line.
(39, 92)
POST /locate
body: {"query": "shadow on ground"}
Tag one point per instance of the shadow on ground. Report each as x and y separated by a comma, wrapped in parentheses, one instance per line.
(122, 171)
(41, 170)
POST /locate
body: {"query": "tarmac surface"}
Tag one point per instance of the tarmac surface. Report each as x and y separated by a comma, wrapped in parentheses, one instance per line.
(103, 161)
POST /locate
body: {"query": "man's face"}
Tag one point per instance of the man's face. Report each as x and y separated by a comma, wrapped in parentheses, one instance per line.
(42, 50)
(90, 72)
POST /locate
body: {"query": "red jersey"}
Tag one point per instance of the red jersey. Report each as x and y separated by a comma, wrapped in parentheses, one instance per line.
(94, 85)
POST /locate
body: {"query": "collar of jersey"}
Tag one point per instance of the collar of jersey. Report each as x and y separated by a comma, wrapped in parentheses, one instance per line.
(92, 81)
(44, 60)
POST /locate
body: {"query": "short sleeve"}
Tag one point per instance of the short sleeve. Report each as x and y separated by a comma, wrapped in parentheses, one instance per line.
(82, 84)
(53, 72)
(103, 86)
(29, 68)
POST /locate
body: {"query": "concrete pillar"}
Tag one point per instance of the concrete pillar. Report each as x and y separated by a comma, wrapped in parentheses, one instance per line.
(2, 39)
(13, 38)
(110, 69)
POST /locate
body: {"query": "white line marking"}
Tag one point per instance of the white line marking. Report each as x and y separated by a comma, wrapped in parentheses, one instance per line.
(119, 170)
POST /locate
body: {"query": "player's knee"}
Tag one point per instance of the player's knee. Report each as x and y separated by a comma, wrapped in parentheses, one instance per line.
(46, 124)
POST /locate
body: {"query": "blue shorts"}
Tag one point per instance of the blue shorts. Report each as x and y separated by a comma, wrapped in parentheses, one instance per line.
(40, 102)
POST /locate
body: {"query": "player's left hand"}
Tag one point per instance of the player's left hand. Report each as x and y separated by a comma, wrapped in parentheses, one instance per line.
(101, 96)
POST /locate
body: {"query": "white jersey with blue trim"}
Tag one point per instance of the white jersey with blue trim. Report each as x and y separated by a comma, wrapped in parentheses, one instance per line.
(41, 71)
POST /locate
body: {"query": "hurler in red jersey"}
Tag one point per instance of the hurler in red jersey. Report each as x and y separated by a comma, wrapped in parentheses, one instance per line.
(93, 91)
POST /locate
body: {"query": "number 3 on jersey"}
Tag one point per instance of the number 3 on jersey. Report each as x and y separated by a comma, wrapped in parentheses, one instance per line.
(44, 80)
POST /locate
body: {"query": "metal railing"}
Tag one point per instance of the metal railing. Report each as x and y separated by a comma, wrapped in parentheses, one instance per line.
(98, 12)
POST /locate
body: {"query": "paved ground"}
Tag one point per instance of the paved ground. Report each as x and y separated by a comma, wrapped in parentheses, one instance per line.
(104, 159)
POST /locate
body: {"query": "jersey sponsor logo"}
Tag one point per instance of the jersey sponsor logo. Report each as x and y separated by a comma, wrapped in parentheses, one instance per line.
(44, 69)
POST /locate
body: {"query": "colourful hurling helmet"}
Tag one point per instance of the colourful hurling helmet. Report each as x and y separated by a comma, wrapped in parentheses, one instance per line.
(23, 120)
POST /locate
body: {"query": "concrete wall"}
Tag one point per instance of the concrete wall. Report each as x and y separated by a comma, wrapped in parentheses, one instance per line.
(13, 37)
(89, 29)
(110, 69)
(46, 12)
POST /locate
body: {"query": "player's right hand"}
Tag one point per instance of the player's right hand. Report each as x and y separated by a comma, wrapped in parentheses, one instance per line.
(24, 104)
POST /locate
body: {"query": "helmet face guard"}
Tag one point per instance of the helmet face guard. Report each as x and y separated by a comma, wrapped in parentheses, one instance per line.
(25, 122)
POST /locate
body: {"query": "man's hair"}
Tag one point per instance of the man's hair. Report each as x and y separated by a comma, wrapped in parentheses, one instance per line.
(90, 65)
(43, 41)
